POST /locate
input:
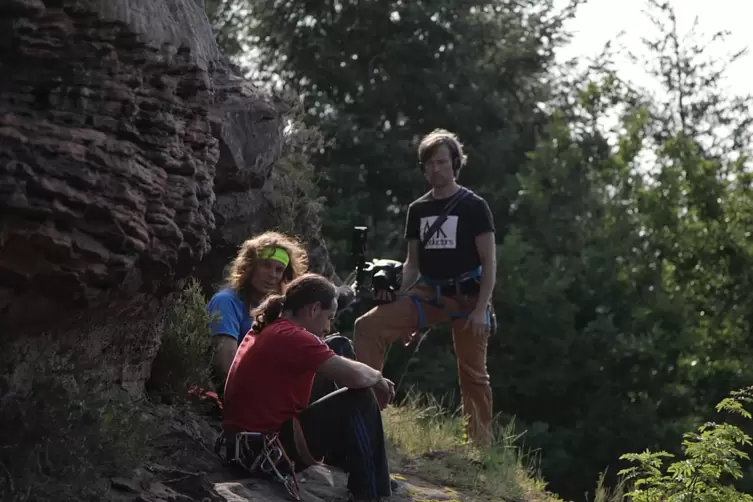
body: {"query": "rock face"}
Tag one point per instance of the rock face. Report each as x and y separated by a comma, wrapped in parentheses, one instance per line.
(131, 151)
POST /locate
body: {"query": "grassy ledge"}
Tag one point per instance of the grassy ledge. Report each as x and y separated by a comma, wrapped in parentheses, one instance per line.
(427, 441)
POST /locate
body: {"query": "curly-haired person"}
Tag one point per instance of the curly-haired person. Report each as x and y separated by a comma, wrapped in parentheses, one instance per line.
(264, 265)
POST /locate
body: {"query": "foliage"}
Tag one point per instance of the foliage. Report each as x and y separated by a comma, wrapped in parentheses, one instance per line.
(184, 357)
(622, 289)
(58, 446)
(228, 21)
(710, 457)
(294, 184)
(605, 493)
(691, 77)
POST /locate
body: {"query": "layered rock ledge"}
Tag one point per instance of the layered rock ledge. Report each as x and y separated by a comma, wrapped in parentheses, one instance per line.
(131, 152)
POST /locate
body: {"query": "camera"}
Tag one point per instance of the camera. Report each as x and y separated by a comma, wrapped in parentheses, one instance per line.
(386, 275)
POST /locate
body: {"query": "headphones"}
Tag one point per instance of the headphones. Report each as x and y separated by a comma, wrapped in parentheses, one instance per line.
(454, 153)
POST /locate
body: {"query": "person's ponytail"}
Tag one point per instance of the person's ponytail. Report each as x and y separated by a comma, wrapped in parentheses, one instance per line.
(302, 291)
(269, 311)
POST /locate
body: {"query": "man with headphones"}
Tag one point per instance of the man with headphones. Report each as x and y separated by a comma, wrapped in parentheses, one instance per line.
(448, 276)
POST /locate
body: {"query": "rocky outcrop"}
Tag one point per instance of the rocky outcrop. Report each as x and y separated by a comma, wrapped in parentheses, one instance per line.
(184, 467)
(130, 152)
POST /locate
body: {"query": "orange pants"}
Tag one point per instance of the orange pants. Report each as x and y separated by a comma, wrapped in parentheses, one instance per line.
(385, 324)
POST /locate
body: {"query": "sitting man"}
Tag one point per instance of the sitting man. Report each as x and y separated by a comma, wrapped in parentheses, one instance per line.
(448, 276)
(264, 265)
(269, 386)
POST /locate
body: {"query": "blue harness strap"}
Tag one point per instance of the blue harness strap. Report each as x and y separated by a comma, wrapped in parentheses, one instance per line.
(437, 285)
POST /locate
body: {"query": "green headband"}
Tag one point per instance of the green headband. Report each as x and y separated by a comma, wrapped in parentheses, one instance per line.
(277, 254)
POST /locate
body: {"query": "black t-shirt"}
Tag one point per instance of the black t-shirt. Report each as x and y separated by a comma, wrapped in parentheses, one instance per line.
(451, 252)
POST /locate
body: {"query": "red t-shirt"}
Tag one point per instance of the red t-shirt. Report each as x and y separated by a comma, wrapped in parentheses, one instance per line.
(271, 377)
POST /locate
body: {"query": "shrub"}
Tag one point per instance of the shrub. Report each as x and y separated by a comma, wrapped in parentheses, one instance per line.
(711, 460)
(184, 359)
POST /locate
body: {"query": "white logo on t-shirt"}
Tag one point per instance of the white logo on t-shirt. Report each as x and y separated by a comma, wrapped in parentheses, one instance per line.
(445, 237)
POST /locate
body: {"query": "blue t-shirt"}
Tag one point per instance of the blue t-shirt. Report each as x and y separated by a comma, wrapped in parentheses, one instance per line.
(234, 317)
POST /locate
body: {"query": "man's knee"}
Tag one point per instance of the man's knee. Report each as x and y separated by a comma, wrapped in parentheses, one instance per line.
(363, 326)
(364, 399)
(472, 375)
(341, 346)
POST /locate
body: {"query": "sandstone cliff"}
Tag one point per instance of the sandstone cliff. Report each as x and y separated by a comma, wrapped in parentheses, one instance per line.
(132, 154)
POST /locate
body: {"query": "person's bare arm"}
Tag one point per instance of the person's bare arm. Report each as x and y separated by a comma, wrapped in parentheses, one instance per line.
(225, 348)
(410, 267)
(349, 373)
(487, 253)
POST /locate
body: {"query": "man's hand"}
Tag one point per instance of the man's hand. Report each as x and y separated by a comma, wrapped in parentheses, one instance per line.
(385, 392)
(383, 296)
(477, 322)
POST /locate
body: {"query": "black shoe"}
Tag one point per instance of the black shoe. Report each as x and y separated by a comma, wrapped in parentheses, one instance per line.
(394, 483)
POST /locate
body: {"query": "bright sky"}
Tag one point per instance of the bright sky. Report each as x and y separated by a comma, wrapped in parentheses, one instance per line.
(601, 20)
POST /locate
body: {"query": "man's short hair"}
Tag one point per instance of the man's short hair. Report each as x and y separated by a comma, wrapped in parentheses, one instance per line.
(436, 138)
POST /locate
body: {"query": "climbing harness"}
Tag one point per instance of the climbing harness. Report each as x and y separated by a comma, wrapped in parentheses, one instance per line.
(439, 286)
(261, 453)
(436, 301)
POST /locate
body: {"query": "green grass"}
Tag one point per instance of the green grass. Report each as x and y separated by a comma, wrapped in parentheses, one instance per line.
(427, 441)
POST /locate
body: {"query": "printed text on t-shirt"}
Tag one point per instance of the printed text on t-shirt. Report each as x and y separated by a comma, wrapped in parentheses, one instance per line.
(445, 237)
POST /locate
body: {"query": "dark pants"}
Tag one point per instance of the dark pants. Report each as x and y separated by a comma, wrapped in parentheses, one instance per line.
(345, 428)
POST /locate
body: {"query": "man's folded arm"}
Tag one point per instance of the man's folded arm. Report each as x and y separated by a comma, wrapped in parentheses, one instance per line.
(349, 373)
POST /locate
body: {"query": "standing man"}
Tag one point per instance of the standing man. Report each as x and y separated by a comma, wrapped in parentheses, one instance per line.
(448, 276)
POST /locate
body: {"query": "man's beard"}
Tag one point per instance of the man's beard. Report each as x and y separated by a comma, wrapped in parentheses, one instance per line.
(440, 182)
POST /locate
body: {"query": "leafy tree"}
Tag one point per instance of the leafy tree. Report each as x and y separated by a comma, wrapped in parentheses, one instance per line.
(374, 76)
(622, 295)
(704, 201)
